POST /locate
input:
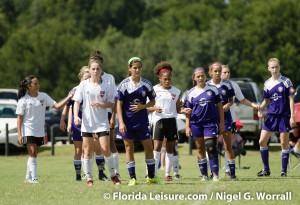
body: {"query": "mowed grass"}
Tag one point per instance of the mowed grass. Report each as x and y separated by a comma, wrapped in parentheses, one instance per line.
(57, 183)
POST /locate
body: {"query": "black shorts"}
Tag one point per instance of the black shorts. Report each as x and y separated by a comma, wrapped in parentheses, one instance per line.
(233, 127)
(98, 134)
(165, 128)
(38, 141)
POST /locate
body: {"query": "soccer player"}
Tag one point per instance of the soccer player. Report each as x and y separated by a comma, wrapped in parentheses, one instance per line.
(97, 96)
(31, 110)
(204, 121)
(239, 95)
(226, 90)
(165, 110)
(132, 106)
(279, 94)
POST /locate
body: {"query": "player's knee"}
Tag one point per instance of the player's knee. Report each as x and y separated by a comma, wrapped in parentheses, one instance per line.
(211, 148)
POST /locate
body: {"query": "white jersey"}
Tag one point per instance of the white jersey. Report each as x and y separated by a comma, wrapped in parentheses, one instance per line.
(109, 79)
(94, 119)
(239, 95)
(33, 110)
(166, 99)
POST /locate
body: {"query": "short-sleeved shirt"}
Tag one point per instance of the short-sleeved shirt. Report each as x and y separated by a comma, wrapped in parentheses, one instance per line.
(33, 110)
(131, 94)
(239, 95)
(94, 119)
(226, 90)
(203, 104)
(278, 92)
(110, 80)
(166, 99)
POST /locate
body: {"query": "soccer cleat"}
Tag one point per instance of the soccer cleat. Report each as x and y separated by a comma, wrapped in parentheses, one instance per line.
(168, 178)
(27, 181)
(154, 180)
(104, 178)
(78, 177)
(263, 173)
(215, 179)
(204, 178)
(283, 174)
(233, 176)
(90, 182)
(115, 180)
(34, 181)
(132, 182)
(227, 174)
(177, 177)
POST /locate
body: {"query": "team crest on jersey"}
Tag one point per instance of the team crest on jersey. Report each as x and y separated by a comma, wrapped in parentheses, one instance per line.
(223, 92)
(42, 102)
(209, 93)
(280, 89)
(292, 90)
(143, 93)
(173, 96)
(102, 93)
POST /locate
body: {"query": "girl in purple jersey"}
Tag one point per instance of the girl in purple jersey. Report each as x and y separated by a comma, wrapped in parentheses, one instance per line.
(279, 94)
(226, 90)
(204, 121)
(133, 118)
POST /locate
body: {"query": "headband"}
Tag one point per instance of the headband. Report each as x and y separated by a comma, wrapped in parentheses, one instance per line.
(216, 64)
(162, 70)
(134, 59)
(198, 69)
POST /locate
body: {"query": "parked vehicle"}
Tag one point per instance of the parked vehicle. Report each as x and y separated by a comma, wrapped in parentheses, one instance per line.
(9, 93)
(8, 116)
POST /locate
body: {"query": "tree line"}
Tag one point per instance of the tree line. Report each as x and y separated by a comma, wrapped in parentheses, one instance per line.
(53, 39)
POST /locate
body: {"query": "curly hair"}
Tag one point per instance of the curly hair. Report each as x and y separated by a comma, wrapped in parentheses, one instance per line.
(162, 67)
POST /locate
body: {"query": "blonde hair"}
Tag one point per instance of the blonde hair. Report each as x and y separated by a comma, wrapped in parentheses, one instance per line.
(212, 65)
(225, 66)
(83, 70)
(273, 59)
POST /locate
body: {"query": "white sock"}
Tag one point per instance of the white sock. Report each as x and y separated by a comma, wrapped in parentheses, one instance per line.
(91, 165)
(87, 168)
(28, 173)
(157, 159)
(227, 169)
(111, 165)
(176, 165)
(169, 162)
(33, 167)
(116, 161)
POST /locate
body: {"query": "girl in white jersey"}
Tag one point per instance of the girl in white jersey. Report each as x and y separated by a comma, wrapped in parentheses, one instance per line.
(165, 110)
(97, 97)
(31, 110)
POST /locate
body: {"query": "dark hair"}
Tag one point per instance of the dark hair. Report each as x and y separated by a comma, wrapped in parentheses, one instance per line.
(162, 67)
(96, 57)
(23, 87)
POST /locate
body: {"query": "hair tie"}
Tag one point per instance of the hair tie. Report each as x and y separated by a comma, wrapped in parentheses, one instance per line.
(162, 70)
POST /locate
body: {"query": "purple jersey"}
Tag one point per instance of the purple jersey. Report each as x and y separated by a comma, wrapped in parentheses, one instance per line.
(278, 93)
(203, 104)
(130, 94)
(226, 90)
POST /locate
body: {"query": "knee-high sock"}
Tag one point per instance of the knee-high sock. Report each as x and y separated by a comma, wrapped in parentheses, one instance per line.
(77, 166)
(175, 164)
(116, 161)
(227, 169)
(169, 162)
(203, 166)
(100, 161)
(28, 173)
(88, 168)
(131, 169)
(231, 164)
(264, 153)
(110, 165)
(285, 160)
(157, 159)
(33, 167)
(151, 167)
(214, 166)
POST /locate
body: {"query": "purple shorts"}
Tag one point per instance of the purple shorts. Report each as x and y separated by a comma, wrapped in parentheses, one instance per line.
(141, 134)
(205, 130)
(76, 133)
(275, 123)
(227, 126)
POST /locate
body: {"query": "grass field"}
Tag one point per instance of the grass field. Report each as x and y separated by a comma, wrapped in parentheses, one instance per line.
(58, 186)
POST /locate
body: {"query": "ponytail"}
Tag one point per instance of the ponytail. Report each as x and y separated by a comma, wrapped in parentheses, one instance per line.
(23, 87)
